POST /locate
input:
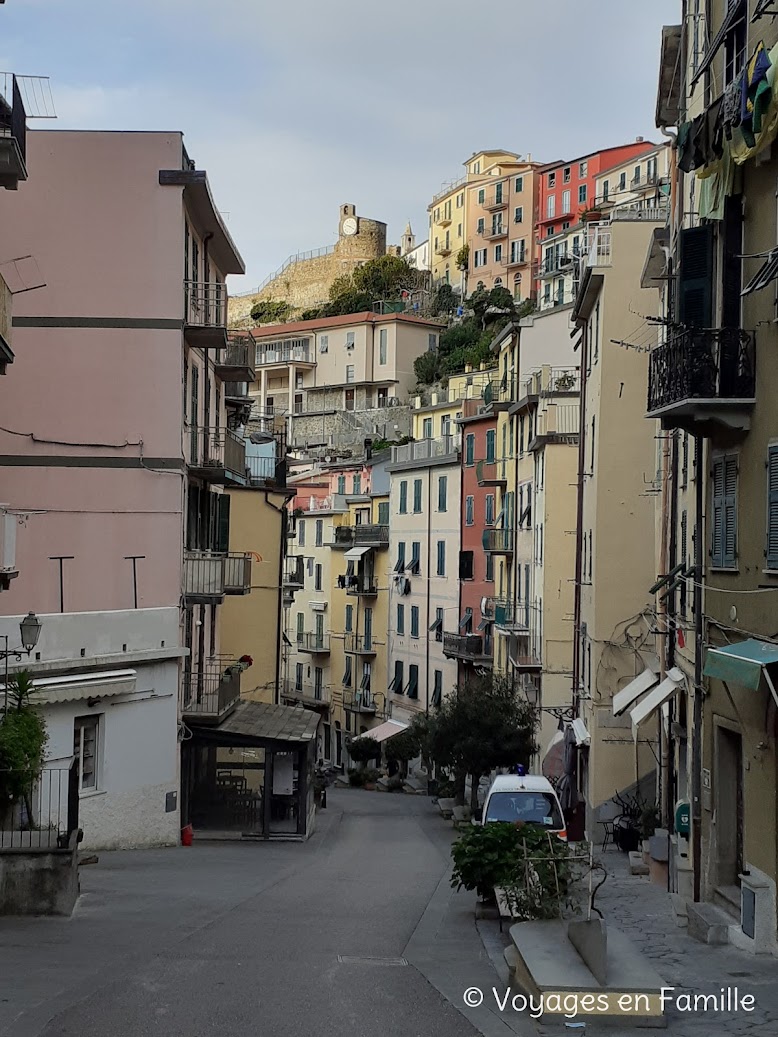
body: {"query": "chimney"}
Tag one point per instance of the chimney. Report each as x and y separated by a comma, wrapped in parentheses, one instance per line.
(639, 140)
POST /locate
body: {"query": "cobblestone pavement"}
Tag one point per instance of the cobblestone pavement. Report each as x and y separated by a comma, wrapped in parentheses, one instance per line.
(644, 911)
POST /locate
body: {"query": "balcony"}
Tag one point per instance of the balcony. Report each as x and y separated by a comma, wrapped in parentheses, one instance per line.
(599, 252)
(13, 135)
(313, 643)
(205, 314)
(491, 473)
(209, 695)
(704, 381)
(517, 258)
(209, 575)
(511, 617)
(498, 541)
(217, 455)
(294, 573)
(465, 647)
(495, 200)
(313, 695)
(295, 351)
(266, 471)
(362, 586)
(444, 221)
(236, 364)
(564, 263)
(426, 450)
(358, 644)
(443, 249)
(373, 536)
(494, 232)
(360, 701)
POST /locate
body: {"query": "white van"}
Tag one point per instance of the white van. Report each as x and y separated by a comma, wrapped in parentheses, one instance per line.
(529, 798)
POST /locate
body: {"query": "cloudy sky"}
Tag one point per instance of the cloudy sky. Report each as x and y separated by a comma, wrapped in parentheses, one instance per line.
(295, 106)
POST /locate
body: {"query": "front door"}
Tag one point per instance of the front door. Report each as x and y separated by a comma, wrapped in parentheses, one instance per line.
(729, 806)
(349, 399)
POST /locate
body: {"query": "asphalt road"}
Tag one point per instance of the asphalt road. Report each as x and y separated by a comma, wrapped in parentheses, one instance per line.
(232, 939)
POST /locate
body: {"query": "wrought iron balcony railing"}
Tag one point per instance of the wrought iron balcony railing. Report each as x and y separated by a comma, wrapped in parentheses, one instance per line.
(467, 647)
(358, 644)
(217, 454)
(362, 536)
(491, 473)
(313, 643)
(209, 694)
(703, 376)
(498, 541)
(209, 575)
(307, 692)
(236, 363)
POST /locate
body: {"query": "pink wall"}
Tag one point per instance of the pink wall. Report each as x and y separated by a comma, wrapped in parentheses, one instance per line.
(108, 240)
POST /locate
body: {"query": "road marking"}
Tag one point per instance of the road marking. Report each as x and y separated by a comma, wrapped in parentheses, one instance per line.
(346, 959)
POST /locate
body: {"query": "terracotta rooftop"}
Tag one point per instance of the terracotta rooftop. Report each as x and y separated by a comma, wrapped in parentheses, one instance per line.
(368, 317)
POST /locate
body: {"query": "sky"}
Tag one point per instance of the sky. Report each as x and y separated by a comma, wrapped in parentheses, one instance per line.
(295, 107)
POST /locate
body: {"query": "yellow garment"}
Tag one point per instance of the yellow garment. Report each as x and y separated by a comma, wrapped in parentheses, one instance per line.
(717, 182)
(741, 152)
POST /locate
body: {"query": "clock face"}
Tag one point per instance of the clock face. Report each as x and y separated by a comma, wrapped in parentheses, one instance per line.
(350, 225)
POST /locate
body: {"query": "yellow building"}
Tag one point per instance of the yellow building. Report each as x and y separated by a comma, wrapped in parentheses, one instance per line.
(448, 218)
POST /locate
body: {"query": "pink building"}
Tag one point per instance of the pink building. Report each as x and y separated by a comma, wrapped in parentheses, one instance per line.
(115, 455)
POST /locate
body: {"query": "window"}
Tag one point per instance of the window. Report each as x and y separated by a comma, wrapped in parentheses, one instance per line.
(549, 232)
(684, 460)
(583, 168)
(347, 677)
(443, 493)
(414, 620)
(413, 681)
(685, 559)
(318, 685)
(551, 207)
(489, 517)
(397, 681)
(519, 184)
(403, 497)
(470, 449)
(606, 188)
(480, 257)
(594, 433)
(324, 343)
(622, 182)
(518, 214)
(341, 484)
(597, 331)
(349, 618)
(427, 429)
(441, 570)
(445, 425)
(437, 693)
(459, 230)
(85, 731)
(591, 556)
(469, 516)
(383, 513)
(460, 200)
(481, 195)
(301, 532)
(383, 345)
(491, 441)
(319, 532)
(300, 617)
(349, 340)
(416, 496)
(498, 253)
(317, 578)
(438, 624)
(724, 512)
(565, 202)
(432, 342)
(415, 563)
(349, 372)
(356, 484)
(489, 577)
(401, 619)
(552, 179)
(479, 227)
(298, 677)
(772, 507)
(582, 192)
(400, 564)
(518, 252)
(636, 176)
(466, 562)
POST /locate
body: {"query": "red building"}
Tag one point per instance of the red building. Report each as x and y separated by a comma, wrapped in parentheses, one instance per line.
(480, 478)
(567, 188)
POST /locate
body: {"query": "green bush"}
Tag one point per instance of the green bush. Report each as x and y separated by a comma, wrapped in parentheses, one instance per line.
(356, 778)
(364, 749)
(486, 856)
(395, 784)
(546, 883)
(371, 775)
(23, 740)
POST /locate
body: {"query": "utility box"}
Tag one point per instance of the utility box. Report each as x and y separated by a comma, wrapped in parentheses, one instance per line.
(682, 817)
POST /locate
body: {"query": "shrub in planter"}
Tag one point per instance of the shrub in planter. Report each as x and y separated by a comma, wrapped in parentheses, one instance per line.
(371, 775)
(364, 749)
(486, 856)
(395, 784)
(356, 778)
(546, 885)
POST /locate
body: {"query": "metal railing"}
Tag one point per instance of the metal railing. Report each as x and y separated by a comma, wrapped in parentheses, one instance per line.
(447, 189)
(631, 213)
(491, 473)
(38, 812)
(239, 353)
(209, 692)
(297, 257)
(237, 573)
(360, 701)
(216, 448)
(299, 353)
(362, 536)
(205, 304)
(313, 642)
(495, 200)
(306, 691)
(443, 249)
(358, 644)
(294, 571)
(557, 419)
(266, 470)
(490, 233)
(702, 364)
(362, 586)
(426, 449)
(204, 574)
(562, 379)
(511, 615)
(13, 118)
(463, 646)
(498, 541)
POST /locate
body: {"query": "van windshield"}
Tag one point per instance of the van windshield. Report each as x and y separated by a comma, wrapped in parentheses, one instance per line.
(536, 808)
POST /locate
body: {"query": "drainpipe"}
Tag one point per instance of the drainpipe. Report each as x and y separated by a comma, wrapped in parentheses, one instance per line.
(663, 614)
(279, 606)
(429, 582)
(698, 648)
(579, 575)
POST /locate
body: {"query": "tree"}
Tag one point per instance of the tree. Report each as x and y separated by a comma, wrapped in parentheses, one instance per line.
(484, 725)
(364, 749)
(270, 311)
(463, 258)
(427, 367)
(23, 741)
(403, 748)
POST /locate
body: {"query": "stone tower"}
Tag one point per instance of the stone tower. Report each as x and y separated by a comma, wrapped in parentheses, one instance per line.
(304, 280)
(408, 240)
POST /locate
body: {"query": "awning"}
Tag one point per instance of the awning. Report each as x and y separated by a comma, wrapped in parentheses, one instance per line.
(76, 687)
(582, 736)
(553, 764)
(436, 625)
(743, 663)
(732, 17)
(384, 731)
(357, 552)
(623, 699)
(657, 698)
(484, 624)
(465, 621)
(766, 274)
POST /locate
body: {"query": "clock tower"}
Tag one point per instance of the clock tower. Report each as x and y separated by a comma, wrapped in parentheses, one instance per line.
(349, 224)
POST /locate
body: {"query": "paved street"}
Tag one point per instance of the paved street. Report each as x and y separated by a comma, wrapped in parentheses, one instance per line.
(235, 939)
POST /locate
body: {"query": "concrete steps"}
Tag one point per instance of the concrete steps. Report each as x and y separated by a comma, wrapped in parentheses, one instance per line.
(708, 923)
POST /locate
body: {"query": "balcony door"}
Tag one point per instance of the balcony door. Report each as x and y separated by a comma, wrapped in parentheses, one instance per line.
(368, 629)
(319, 630)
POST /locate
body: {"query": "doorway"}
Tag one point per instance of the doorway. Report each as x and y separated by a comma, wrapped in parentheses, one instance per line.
(729, 806)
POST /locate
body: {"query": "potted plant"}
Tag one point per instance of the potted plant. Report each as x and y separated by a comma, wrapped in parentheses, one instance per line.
(486, 856)
(371, 776)
(649, 822)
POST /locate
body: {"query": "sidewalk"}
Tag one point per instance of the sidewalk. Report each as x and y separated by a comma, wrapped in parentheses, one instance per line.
(644, 911)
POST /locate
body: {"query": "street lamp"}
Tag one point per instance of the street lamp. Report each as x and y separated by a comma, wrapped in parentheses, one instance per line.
(30, 630)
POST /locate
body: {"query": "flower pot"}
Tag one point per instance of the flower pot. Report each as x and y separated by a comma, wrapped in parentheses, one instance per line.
(187, 835)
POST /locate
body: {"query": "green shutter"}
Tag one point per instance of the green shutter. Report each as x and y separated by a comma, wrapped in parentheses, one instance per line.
(417, 496)
(223, 522)
(695, 290)
(730, 512)
(772, 508)
(403, 497)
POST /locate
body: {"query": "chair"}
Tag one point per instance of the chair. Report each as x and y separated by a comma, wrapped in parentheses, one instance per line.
(607, 815)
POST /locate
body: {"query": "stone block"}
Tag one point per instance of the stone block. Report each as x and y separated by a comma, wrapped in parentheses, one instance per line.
(590, 939)
(636, 865)
(708, 923)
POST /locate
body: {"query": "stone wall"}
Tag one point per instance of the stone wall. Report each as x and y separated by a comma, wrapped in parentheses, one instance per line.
(38, 882)
(306, 282)
(347, 430)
